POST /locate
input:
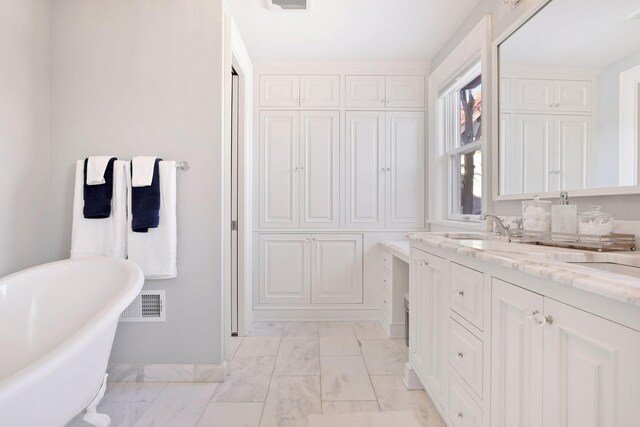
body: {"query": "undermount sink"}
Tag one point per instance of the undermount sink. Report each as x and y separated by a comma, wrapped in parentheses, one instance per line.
(611, 267)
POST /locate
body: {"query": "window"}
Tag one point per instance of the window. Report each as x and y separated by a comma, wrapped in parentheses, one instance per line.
(461, 131)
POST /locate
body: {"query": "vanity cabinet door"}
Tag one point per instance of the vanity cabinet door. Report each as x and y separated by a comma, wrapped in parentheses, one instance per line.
(279, 169)
(516, 357)
(366, 166)
(429, 322)
(591, 369)
(404, 170)
(285, 273)
(319, 169)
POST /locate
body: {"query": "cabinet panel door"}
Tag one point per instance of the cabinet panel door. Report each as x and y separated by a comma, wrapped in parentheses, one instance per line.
(534, 94)
(516, 357)
(285, 275)
(279, 91)
(320, 91)
(320, 169)
(405, 91)
(365, 152)
(573, 136)
(573, 95)
(534, 133)
(429, 343)
(336, 268)
(510, 156)
(505, 94)
(279, 168)
(591, 370)
(365, 91)
(404, 170)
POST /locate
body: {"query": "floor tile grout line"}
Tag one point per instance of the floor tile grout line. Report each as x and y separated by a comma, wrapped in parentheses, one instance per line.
(150, 402)
(273, 369)
(369, 375)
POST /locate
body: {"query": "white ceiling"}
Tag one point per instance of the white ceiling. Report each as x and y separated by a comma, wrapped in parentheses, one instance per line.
(353, 30)
(577, 33)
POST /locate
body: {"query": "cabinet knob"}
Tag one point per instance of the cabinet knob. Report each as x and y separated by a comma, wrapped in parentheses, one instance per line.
(460, 415)
(546, 320)
(295, 169)
(460, 293)
(423, 263)
(388, 169)
(459, 355)
(301, 168)
(530, 314)
(382, 101)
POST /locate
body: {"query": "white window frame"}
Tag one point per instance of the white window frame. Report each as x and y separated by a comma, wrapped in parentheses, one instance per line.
(449, 135)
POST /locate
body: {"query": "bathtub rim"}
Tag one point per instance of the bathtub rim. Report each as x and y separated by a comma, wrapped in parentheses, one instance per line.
(76, 342)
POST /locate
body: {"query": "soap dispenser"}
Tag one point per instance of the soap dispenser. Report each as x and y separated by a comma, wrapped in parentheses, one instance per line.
(564, 217)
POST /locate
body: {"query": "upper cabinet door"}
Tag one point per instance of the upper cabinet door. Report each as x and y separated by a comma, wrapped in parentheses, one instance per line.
(320, 169)
(534, 95)
(591, 369)
(573, 136)
(279, 91)
(404, 92)
(285, 273)
(404, 169)
(516, 357)
(336, 268)
(365, 91)
(279, 168)
(320, 91)
(534, 142)
(573, 95)
(505, 94)
(366, 169)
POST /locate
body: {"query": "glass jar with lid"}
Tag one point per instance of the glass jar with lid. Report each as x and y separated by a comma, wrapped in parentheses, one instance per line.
(595, 222)
(536, 215)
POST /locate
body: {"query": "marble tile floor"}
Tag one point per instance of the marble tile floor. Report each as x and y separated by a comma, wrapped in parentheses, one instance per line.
(279, 375)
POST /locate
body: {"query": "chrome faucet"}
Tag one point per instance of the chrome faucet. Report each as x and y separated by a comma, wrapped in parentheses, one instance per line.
(503, 229)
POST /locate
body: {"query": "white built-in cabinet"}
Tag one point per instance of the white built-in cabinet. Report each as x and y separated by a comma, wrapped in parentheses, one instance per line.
(384, 169)
(546, 133)
(310, 268)
(300, 169)
(556, 365)
(299, 91)
(497, 353)
(384, 91)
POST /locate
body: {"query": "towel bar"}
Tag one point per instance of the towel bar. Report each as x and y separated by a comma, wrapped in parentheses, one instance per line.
(183, 165)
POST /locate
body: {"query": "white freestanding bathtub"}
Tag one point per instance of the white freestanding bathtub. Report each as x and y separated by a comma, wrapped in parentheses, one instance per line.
(57, 323)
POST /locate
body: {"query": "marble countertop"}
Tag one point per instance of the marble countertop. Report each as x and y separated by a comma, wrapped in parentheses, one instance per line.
(398, 248)
(549, 263)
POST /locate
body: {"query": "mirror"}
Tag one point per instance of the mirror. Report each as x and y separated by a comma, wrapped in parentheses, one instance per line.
(569, 99)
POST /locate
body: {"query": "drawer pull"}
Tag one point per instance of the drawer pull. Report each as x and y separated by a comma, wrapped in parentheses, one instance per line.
(460, 293)
(460, 415)
(459, 355)
(423, 263)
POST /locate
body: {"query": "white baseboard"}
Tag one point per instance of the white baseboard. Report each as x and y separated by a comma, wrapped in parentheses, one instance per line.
(303, 314)
(205, 373)
(394, 330)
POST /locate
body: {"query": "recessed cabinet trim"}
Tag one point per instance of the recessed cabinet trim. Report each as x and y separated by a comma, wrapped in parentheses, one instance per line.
(279, 90)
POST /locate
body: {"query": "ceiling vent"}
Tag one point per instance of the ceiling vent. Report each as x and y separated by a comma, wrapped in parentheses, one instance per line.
(148, 306)
(280, 5)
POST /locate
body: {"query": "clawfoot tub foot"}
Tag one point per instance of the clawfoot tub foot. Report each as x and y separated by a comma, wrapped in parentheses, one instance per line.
(91, 415)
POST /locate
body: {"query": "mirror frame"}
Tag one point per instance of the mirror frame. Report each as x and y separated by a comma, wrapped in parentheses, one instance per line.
(495, 125)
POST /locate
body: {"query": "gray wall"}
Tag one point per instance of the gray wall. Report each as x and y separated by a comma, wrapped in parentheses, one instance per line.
(145, 77)
(624, 207)
(24, 134)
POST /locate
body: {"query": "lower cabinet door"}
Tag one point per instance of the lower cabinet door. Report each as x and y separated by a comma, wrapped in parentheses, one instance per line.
(336, 268)
(516, 356)
(591, 369)
(285, 273)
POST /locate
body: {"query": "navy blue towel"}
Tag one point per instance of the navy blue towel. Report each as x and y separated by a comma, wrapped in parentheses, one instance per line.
(97, 198)
(145, 203)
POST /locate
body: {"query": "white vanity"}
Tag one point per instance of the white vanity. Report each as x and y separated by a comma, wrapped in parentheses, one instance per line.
(510, 334)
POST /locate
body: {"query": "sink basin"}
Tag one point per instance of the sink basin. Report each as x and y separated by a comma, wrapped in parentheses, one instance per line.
(611, 267)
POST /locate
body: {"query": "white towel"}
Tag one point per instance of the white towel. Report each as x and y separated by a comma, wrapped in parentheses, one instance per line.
(142, 171)
(156, 251)
(96, 166)
(100, 237)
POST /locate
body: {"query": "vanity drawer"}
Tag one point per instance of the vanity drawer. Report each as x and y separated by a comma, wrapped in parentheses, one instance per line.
(465, 355)
(386, 304)
(463, 411)
(467, 294)
(386, 259)
(385, 280)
